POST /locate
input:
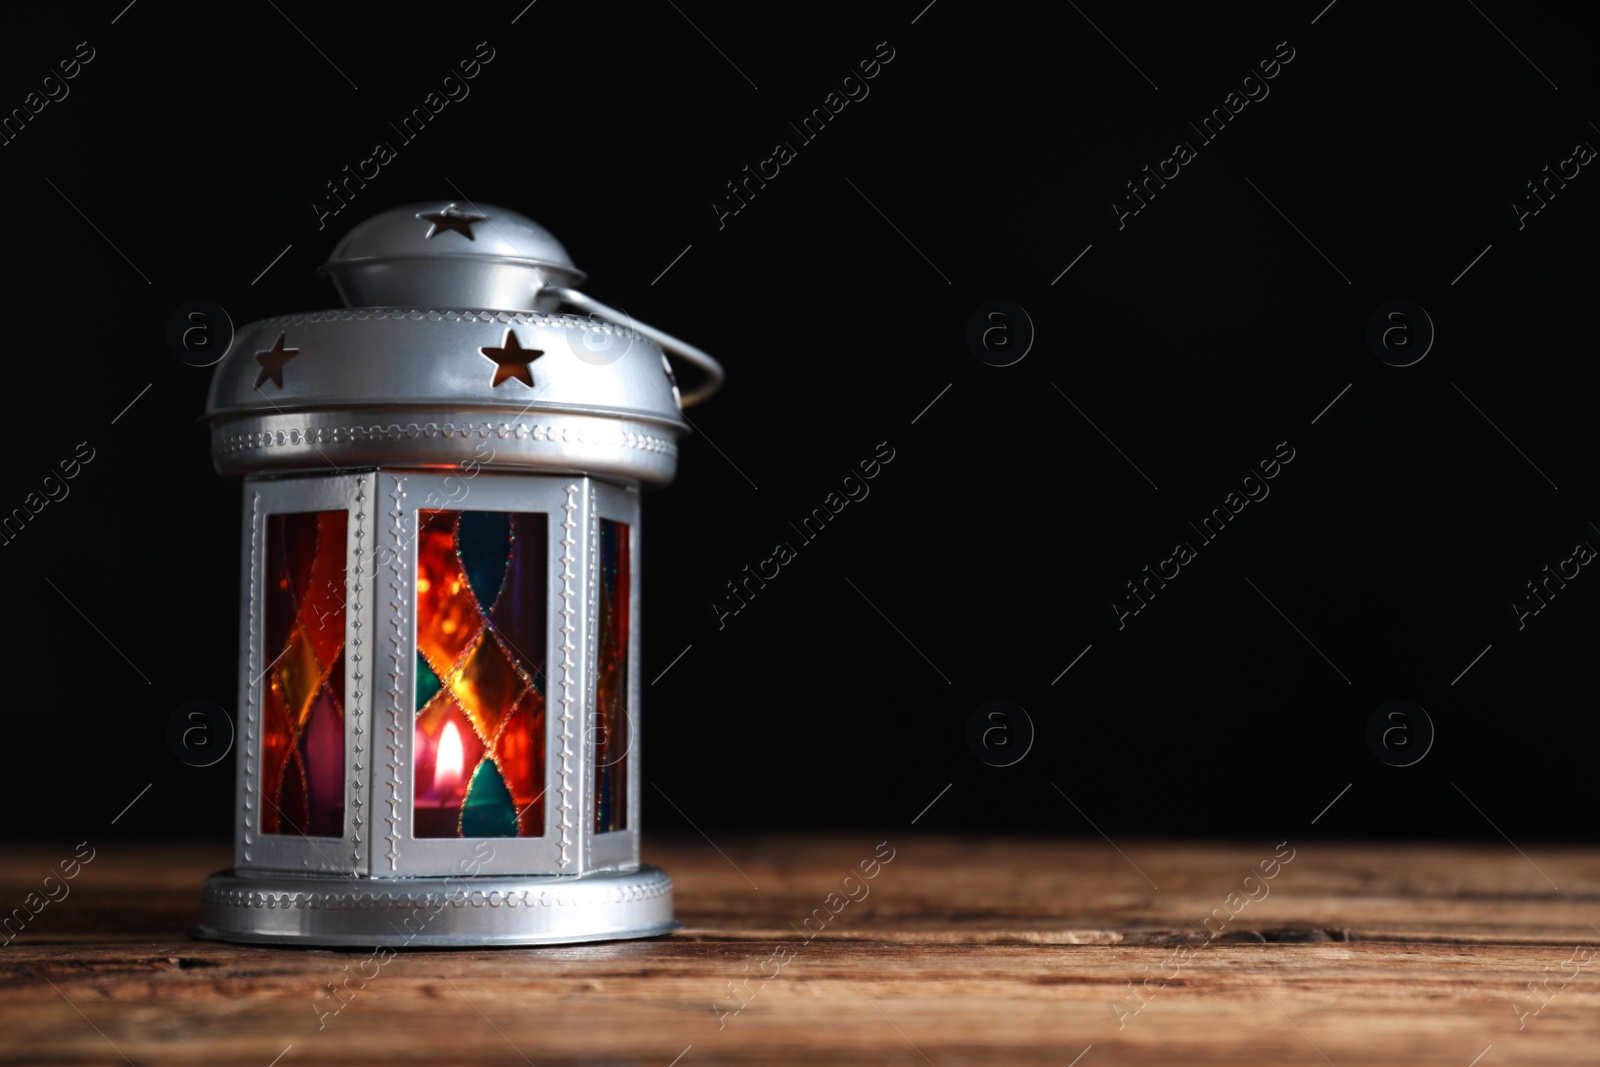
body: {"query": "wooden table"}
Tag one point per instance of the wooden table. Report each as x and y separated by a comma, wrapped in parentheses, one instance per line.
(958, 951)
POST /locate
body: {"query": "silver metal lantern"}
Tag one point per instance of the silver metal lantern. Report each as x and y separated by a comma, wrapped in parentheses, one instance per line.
(439, 651)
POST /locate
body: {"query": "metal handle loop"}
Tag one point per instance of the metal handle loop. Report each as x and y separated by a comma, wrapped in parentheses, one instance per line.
(684, 351)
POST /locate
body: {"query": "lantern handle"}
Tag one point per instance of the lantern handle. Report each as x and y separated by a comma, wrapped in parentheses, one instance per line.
(682, 349)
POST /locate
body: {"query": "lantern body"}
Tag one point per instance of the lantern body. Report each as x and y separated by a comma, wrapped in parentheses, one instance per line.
(439, 685)
(399, 645)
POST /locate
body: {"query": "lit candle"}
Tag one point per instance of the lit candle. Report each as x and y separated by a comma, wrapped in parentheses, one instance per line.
(447, 764)
(438, 811)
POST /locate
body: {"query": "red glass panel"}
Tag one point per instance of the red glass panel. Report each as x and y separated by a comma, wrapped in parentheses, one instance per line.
(519, 750)
(610, 740)
(448, 617)
(277, 733)
(490, 705)
(322, 754)
(291, 804)
(302, 684)
(291, 541)
(322, 610)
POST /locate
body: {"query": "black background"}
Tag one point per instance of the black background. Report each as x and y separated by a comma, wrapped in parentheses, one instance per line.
(1197, 337)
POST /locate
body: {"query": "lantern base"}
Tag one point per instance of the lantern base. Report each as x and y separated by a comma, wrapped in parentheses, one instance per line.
(481, 911)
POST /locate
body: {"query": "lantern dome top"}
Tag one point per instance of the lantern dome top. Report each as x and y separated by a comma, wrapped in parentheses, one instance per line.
(449, 254)
(453, 350)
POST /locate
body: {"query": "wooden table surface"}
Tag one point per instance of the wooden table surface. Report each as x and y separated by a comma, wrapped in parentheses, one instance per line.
(959, 951)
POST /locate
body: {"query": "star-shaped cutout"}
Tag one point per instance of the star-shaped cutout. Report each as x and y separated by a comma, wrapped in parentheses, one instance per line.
(272, 362)
(513, 360)
(452, 220)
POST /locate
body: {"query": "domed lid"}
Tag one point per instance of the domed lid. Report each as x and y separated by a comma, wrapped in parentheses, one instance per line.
(457, 342)
(462, 254)
(450, 228)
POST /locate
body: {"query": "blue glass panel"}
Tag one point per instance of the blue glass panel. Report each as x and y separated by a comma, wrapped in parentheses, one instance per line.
(483, 542)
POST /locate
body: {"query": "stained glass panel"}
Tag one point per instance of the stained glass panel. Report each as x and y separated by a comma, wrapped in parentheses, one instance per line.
(486, 685)
(447, 749)
(427, 682)
(489, 810)
(521, 611)
(610, 735)
(302, 683)
(321, 746)
(447, 614)
(482, 609)
(520, 750)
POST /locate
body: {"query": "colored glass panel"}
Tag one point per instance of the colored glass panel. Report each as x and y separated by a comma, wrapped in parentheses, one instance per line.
(610, 740)
(322, 611)
(321, 752)
(487, 686)
(302, 683)
(447, 615)
(482, 617)
(291, 804)
(291, 547)
(427, 682)
(277, 736)
(298, 676)
(447, 750)
(489, 810)
(521, 612)
(520, 750)
(483, 543)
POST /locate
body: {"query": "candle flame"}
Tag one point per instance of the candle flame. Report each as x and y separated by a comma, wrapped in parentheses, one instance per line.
(449, 764)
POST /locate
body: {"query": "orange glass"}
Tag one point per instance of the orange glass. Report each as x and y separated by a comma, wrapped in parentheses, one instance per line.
(478, 754)
(302, 687)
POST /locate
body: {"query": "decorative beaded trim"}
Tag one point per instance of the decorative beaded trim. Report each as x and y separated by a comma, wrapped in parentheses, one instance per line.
(591, 663)
(252, 712)
(397, 716)
(476, 898)
(354, 706)
(510, 318)
(568, 541)
(522, 431)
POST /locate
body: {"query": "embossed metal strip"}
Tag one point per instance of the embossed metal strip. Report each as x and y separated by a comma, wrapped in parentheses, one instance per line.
(252, 716)
(581, 434)
(357, 608)
(397, 640)
(568, 594)
(582, 323)
(575, 897)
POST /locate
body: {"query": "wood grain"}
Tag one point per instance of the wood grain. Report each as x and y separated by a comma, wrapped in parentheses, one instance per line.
(960, 951)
